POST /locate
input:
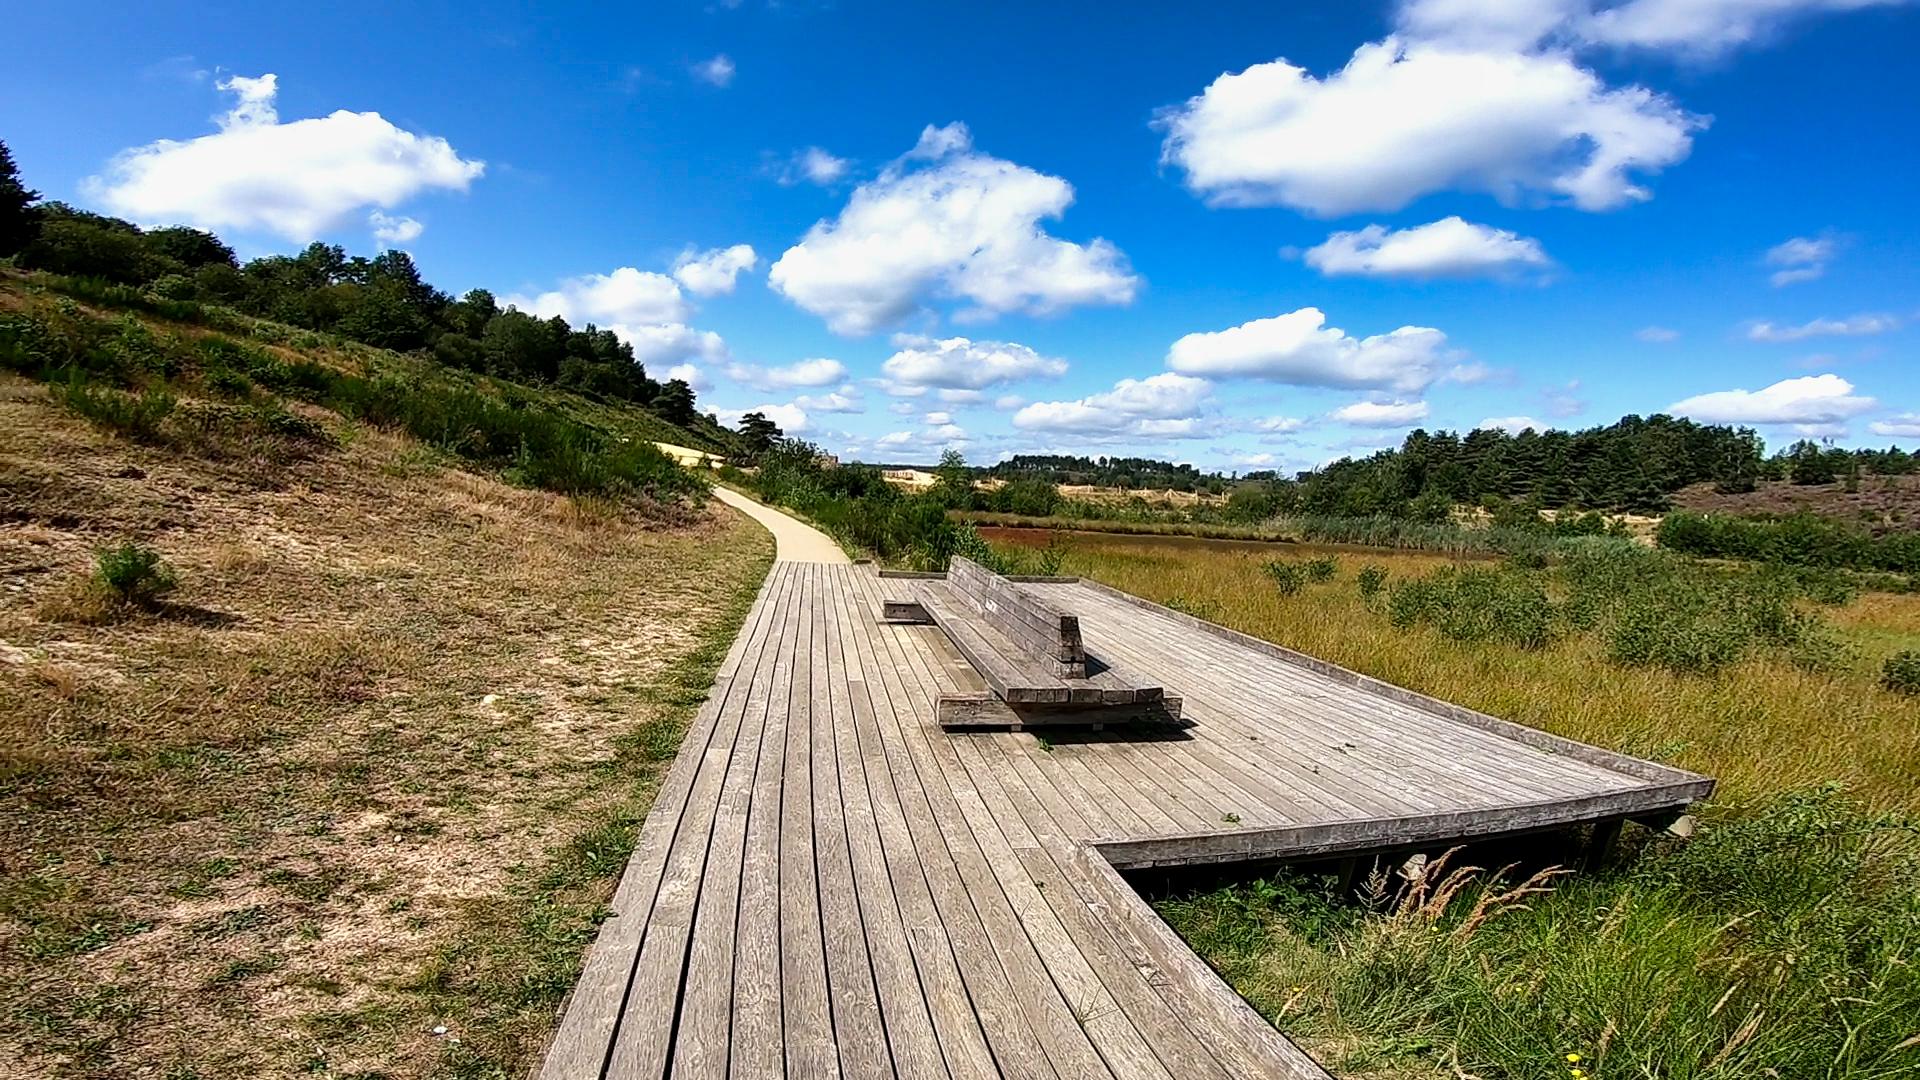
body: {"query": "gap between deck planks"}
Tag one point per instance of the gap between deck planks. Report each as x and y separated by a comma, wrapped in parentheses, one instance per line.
(828, 885)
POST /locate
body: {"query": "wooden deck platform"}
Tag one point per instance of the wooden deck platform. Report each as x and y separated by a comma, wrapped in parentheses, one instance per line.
(830, 885)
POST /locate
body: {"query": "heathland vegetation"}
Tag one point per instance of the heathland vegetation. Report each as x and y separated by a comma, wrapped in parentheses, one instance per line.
(1782, 940)
(338, 661)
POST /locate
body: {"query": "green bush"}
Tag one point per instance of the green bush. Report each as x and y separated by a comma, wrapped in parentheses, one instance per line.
(1901, 672)
(1477, 604)
(1796, 539)
(1321, 569)
(133, 574)
(1288, 577)
(136, 416)
(1372, 579)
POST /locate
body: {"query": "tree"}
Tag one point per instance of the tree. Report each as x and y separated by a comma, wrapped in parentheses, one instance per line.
(758, 433)
(953, 480)
(19, 219)
(675, 403)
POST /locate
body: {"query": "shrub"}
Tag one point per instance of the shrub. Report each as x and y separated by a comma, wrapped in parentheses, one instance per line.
(1372, 579)
(1288, 577)
(1477, 604)
(136, 416)
(133, 574)
(1321, 569)
(1901, 672)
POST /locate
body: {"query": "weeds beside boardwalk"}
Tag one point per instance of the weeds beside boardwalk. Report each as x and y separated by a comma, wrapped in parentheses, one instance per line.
(349, 798)
(1783, 941)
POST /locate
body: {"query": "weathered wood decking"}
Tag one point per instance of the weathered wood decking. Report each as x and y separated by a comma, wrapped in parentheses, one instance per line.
(830, 885)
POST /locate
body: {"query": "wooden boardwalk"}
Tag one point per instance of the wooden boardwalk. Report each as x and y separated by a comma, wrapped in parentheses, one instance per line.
(830, 885)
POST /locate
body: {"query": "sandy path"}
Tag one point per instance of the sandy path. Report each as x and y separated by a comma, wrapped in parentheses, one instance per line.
(794, 540)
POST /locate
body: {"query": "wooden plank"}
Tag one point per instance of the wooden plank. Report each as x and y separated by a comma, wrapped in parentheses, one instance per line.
(903, 611)
(1541, 740)
(1029, 620)
(807, 1021)
(1010, 675)
(972, 710)
(584, 1036)
(1374, 834)
(944, 783)
(643, 1038)
(859, 1032)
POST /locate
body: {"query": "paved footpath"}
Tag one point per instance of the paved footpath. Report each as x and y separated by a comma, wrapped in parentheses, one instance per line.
(794, 540)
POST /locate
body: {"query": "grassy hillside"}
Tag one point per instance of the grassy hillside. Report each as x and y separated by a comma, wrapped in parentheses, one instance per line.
(349, 797)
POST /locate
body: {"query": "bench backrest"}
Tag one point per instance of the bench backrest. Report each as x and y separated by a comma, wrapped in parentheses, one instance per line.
(1027, 620)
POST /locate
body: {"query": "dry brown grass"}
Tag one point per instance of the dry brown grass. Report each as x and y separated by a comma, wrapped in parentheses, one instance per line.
(257, 832)
(1761, 727)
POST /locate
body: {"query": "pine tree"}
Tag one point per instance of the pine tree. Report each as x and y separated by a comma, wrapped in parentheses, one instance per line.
(19, 219)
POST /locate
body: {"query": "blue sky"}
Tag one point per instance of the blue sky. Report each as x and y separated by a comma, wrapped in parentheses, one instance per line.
(1222, 233)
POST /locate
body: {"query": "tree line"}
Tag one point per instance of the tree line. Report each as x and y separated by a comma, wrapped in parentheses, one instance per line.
(381, 301)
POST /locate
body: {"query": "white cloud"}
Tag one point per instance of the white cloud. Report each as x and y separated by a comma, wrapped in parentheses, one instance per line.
(1407, 118)
(1696, 27)
(394, 229)
(627, 295)
(1900, 425)
(791, 419)
(815, 371)
(946, 221)
(691, 374)
(1298, 348)
(710, 273)
(1856, 326)
(843, 400)
(812, 165)
(1512, 425)
(645, 309)
(1564, 400)
(1800, 259)
(667, 343)
(1278, 425)
(1008, 402)
(297, 179)
(1380, 413)
(1165, 405)
(1450, 247)
(963, 364)
(1810, 399)
(717, 71)
(1656, 335)
(937, 418)
(1260, 461)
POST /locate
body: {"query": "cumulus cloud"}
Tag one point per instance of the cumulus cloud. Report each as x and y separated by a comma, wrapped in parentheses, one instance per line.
(1657, 335)
(1299, 348)
(1278, 425)
(1808, 400)
(645, 309)
(959, 363)
(1165, 405)
(791, 419)
(1696, 27)
(816, 371)
(1381, 413)
(1900, 425)
(1512, 425)
(844, 400)
(296, 179)
(1407, 117)
(394, 229)
(691, 374)
(1857, 326)
(1450, 247)
(712, 272)
(1800, 259)
(812, 165)
(946, 221)
(717, 71)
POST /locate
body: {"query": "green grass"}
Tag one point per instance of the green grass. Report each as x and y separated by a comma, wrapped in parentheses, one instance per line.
(1783, 940)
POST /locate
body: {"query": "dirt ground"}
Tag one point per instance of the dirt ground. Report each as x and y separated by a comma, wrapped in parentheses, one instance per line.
(350, 801)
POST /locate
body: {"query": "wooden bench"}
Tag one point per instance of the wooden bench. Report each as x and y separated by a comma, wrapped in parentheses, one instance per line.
(1028, 652)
